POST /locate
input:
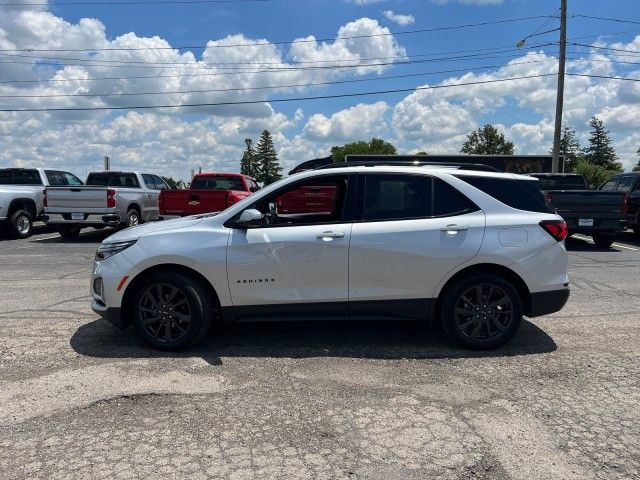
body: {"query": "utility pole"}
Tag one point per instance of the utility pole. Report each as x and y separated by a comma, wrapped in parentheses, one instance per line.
(107, 163)
(555, 163)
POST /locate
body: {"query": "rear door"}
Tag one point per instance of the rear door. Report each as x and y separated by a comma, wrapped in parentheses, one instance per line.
(413, 230)
(151, 194)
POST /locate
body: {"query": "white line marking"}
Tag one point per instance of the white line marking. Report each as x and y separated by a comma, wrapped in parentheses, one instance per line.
(48, 238)
(582, 237)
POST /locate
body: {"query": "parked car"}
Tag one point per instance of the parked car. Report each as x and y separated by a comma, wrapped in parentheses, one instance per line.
(629, 185)
(474, 250)
(591, 212)
(209, 192)
(109, 199)
(22, 195)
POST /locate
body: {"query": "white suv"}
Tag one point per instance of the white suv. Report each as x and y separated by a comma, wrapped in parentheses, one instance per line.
(476, 250)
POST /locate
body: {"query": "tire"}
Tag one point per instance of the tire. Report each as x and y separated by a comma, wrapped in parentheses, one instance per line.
(99, 227)
(474, 330)
(69, 232)
(20, 224)
(603, 240)
(181, 320)
(133, 218)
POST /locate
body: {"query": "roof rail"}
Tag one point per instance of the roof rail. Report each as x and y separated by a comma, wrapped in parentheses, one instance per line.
(415, 163)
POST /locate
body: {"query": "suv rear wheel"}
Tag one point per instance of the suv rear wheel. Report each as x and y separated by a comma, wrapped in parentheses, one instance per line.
(20, 224)
(172, 310)
(482, 311)
(603, 240)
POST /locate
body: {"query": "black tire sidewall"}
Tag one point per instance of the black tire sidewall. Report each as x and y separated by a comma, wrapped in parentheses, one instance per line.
(13, 222)
(603, 240)
(454, 292)
(69, 232)
(199, 302)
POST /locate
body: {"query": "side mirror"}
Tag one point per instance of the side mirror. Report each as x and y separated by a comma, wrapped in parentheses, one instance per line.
(249, 218)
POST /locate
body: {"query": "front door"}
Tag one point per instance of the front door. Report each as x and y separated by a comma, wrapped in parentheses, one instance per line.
(296, 264)
(414, 230)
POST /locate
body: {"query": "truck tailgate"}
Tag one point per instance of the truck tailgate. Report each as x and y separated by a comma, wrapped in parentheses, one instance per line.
(584, 202)
(76, 199)
(192, 202)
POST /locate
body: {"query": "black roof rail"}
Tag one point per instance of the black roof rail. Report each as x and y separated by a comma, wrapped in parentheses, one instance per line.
(415, 163)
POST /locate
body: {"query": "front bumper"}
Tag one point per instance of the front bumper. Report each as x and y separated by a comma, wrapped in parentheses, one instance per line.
(109, 219)
(110, 314)
(544, 303)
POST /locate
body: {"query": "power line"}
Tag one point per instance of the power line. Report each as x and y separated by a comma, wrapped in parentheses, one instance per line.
(272, 87)
(276, 100)
(608, 77)
(608, 19)
(130, 2)
(605, 48)
(288, 42)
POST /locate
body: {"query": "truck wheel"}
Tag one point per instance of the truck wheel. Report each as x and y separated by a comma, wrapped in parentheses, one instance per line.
(20, 224)
(69, 232)
(172, 311)
(482, 311)
(133, 218)
(603, 240)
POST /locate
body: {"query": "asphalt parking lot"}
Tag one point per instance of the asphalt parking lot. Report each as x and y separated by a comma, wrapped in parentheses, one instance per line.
(79, 399)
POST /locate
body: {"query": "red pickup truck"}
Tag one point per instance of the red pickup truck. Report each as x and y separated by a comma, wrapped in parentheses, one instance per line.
(209, 192)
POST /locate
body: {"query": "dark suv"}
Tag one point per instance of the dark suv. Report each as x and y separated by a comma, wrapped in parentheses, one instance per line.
(629, 184)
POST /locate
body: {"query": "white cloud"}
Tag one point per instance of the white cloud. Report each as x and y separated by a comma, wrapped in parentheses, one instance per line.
(360, 121)
(468, 2)
(398, 18)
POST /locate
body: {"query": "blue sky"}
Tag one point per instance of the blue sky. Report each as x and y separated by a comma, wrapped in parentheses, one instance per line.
(174, 141)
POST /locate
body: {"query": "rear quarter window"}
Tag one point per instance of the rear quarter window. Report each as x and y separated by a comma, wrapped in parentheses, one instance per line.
(519, 194)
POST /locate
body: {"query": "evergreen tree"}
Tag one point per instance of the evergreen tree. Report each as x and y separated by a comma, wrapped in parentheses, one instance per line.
(249, 162)
(267, 160)
(487, 141)
(637, 167)
(376, 146)
(600, 150)
(569, 148)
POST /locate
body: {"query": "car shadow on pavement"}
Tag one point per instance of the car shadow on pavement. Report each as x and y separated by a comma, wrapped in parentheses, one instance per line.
(89, 235)
(579, 245)
(372, 340)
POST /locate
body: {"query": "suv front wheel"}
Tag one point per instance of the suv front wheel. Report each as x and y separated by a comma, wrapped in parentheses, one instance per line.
(482, 311)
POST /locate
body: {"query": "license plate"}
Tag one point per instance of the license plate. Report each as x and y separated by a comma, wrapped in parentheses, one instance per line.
(77, 216)
(585, 222)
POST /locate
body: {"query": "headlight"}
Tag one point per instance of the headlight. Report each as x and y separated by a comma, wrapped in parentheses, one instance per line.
(107, 250)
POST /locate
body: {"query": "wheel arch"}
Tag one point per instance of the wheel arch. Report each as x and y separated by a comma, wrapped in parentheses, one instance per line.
(27, 204)
(129, 293)
(486, 268)
(135, 206)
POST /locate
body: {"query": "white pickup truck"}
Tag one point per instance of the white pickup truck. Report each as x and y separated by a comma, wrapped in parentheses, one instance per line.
(109, 199)
(22, 196)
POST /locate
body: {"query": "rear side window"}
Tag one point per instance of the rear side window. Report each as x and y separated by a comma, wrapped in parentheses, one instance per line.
(113, 179)
(520, 194)
(10, 176)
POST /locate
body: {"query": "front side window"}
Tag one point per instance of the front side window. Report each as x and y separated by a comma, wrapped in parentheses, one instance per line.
(397, 197)
(609, 185)
(71, 179)
(159, 183)
(316, 201)
(148, 181)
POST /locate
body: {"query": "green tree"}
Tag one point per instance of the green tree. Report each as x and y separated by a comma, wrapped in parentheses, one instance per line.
(249, 161)
(637, 167)
(487, 141)
(600, 150)
(376, 146)
(268, 166)
(422, 152)
(595, 175)
(569, 148)
(171, 182)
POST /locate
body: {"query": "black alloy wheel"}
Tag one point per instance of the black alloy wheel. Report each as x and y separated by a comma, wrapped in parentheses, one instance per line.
(482, 311)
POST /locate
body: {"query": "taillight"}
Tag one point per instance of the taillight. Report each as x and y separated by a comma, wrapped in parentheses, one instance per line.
(625, 204)
(111, 198)
(44, 199)
(556, 228)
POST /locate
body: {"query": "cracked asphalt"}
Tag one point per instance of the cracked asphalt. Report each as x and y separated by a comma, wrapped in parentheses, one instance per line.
(79, 399)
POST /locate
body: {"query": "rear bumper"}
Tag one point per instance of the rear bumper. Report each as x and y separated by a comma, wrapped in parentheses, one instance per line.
(544, 303)
(109, 219)
(600, 225)
(110, 314)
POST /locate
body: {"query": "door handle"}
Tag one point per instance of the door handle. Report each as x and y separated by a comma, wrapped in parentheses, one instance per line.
(454, 228)
(330, 235)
